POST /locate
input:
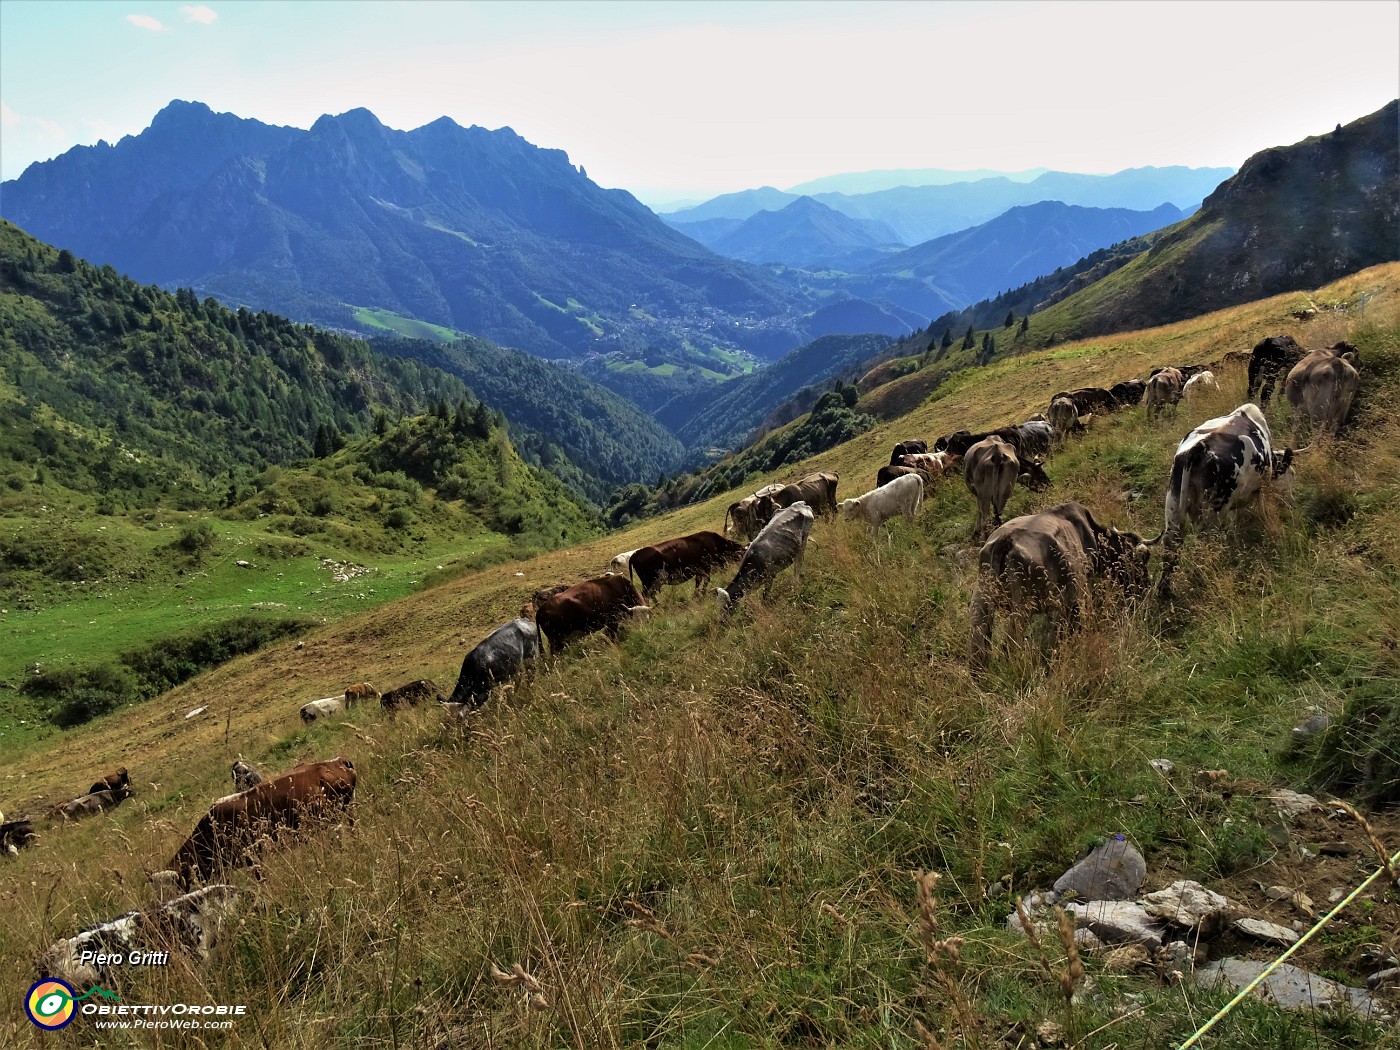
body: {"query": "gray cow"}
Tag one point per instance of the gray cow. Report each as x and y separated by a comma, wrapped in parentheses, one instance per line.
(497, 658)
(779, 545)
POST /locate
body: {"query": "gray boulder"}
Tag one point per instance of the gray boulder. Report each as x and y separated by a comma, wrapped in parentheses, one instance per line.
(1114, 871)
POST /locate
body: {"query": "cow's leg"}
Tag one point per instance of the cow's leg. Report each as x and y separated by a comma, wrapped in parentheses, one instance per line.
(983, 617)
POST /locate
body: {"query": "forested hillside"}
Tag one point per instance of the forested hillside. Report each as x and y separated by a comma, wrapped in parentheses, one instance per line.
(126, 389)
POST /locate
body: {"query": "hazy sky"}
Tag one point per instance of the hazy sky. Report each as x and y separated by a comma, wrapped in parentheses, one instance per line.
(674, 100)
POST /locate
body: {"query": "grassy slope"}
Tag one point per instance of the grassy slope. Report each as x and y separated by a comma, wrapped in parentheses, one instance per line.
(704, 836)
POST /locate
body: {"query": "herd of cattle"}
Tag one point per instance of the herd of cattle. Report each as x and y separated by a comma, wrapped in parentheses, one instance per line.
(1043, 563)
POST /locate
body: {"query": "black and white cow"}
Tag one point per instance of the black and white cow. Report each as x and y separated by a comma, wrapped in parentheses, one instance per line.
(497, 658)
(1220, 466)
(780, 544)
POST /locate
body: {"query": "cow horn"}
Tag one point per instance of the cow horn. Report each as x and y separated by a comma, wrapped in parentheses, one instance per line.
(1300, 451)
(1157, 540)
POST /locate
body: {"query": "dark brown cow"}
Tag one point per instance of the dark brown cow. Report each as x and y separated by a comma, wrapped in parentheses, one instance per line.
(1089, 399)
(887, 474)
(1269, 359)
(601, 604)
(907, 448)
(230, 832)
(15, 835)
(410, 695)
(91, 804)
(692, 557)
(1128, 393)
(991, 470)
(1043, 563)
(113, 781)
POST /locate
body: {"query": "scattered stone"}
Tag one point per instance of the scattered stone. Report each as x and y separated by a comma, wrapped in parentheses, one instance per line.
(1113, 871)
(1178, 955)
(1276, 893)
(1263, 930)
(1303, 904)
(1390, 976)
(1119, 922)
(195, 713)
(243, 564)
(1305, 731)
(1292, 803)
(1127, 958)
(1334, 849)
(1087, 940)
(1050, 1034)
(1335, 894)
(1189, 904)
(1212, 779)
(1288, 986)
(1165, 766)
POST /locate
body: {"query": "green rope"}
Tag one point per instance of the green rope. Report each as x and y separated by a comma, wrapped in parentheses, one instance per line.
(1389, 866)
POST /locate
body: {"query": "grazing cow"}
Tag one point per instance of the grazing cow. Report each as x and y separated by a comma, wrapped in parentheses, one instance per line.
(233, 827)
(618, 566)
(1064, 416)
(817, 490)
(1219, 466)
(601, 604)
(541, 596)
(1269, 359)
(91, 804)
(1127, 393)
(113, 781)
(900, 496)
(324, 708)
(1198, 386)
(750, 513)
(907, 448)
(780, 544)
(1163, 389)
(887, 474)
(1089, 399)
(15, 835)
(1024, 438)
(360, 691)
(933, 464)
(497, 658)
(991, 470)
(1043, 563)
(245, 776)
(414, 693)
(990, 475)
(1322, 385)
(692, 557)
(97, 955)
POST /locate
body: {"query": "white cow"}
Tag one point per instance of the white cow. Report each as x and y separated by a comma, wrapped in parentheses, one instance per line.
(1198, 386)
(901, 496)
(324, 708)
(618, 565)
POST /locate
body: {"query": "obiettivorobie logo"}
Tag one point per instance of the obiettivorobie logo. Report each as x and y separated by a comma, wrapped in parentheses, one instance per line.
(51, 1003)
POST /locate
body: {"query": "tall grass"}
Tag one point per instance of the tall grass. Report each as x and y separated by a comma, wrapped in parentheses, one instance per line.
(721, 835)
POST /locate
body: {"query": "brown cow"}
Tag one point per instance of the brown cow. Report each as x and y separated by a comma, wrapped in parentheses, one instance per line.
(1043, 563)
(360, 691)
(1163, 389)
(887, 474)
(1322, 385)
(113, 781)
(749, 514)
(692, 557)
(229, 833)
(817, 490)
(412, 694)
(991, 471)
(1088, 400)
(604, 603)
(933, 464)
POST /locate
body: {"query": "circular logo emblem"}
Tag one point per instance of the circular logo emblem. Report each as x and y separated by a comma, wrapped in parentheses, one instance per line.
(50, 1003)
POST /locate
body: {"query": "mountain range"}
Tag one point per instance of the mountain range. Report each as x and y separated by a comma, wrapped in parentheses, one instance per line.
(475, 230)
(920, 213)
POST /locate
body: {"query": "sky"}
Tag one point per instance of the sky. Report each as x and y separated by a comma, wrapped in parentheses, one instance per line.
(681, 101)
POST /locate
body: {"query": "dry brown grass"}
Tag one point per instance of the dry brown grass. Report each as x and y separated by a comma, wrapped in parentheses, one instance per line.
(705, 835)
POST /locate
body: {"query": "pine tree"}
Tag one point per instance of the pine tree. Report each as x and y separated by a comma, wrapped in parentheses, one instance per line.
(968, 341)
(1010, 319)
(947, 339)
(1025, 325)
